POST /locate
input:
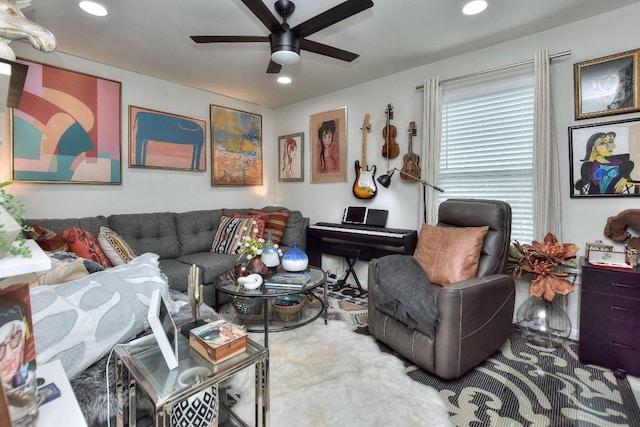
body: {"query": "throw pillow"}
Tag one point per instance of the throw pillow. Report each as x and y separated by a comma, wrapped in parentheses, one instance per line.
(231, 233)
(115, 247)
(62, 271)
(261, 225)
(48, 240)
(449, 254)
(85, 245)
(276, 222)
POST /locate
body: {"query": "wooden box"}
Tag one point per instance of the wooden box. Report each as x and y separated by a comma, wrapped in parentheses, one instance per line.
(218, 340)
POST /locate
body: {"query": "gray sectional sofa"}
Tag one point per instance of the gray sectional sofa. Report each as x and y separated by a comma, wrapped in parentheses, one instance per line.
(180, 239)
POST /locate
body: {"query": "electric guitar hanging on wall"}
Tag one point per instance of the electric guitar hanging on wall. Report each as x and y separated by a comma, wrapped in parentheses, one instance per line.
(410, 169)
(365, 185)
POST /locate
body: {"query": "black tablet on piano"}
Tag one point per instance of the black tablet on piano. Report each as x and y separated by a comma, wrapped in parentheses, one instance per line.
(365, 216)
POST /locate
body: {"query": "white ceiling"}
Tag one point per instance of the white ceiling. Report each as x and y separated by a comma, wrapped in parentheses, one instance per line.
(152, 37)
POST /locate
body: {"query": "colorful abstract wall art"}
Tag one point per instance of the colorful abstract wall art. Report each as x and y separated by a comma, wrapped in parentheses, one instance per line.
(67, 128)
(237, 147)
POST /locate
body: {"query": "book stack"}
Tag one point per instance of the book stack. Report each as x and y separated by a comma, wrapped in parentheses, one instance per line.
(287, 279)
(218, 340)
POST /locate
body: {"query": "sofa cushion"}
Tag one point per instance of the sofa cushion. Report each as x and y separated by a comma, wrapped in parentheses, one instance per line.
(79, 322)
(275, 222)
(232, 232)
(85, 245)
(196, 230)
(177, 273)
(48, 240)
(148, 232)
(211, 264)
(449, 254)
(295, 233)
(115, 247)
(92, 223)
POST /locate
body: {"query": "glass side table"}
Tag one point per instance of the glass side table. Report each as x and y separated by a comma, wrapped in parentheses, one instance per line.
(144, 366)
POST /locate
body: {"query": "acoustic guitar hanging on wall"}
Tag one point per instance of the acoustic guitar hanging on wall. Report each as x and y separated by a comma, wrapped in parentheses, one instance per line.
(410, 170)
(364, 186)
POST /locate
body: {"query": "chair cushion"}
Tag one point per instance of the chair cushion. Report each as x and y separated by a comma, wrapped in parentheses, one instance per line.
(449, 254)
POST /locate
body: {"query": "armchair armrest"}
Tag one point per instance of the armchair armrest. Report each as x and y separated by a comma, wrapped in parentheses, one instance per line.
(475, 319)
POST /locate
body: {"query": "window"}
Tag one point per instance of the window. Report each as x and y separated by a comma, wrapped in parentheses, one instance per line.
(487, 147)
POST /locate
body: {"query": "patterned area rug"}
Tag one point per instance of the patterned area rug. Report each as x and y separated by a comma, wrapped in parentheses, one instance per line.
(522, 384)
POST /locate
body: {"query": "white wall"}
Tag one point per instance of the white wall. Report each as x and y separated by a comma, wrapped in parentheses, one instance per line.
(583, 219)
(142, 190)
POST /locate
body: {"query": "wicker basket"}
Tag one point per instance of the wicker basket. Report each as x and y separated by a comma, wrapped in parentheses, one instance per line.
(287, 304)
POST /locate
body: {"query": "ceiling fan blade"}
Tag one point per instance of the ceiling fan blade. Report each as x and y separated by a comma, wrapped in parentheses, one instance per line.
(326, 50)
(273, 68)
(229, 39)
(264, 14)
(331, 16)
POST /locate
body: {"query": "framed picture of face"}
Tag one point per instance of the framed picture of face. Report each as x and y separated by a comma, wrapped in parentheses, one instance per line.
(290, 157)
(606, 86)
(328, 139)
(605, 159)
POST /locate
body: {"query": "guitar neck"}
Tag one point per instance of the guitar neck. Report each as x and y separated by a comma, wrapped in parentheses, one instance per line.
(364, 149)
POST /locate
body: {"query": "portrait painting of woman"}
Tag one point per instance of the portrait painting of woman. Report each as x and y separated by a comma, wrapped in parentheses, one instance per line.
(328, 158)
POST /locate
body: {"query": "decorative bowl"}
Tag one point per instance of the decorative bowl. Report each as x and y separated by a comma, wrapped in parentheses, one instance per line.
(250, 282)
(287, 304)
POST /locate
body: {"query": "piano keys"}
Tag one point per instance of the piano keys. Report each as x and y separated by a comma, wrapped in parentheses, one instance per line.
(323, 238)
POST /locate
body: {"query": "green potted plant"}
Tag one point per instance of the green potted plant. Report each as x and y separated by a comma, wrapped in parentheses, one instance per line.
(12, 225)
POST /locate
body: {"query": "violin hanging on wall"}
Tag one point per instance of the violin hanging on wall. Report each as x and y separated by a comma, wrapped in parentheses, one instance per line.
(390, 149)
(410, 170)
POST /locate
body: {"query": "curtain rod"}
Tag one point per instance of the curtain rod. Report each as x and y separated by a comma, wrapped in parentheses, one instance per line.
(502, 68)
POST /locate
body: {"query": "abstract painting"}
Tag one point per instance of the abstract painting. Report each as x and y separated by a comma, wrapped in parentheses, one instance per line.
(165, 140)
(236, 154)
(605, 159)
(67, 128)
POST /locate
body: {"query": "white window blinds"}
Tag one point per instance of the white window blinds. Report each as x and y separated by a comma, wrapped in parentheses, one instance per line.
(487, 148)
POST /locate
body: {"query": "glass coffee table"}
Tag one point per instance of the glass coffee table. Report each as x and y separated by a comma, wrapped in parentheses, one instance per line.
(254, 310)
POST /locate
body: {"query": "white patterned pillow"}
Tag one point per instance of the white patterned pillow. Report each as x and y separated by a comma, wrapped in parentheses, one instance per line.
(79, 322)
(115, 247)
(231, 233)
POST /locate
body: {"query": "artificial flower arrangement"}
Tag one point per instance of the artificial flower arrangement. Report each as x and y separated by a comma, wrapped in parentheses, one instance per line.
(252, 246)
(542, 259)
(15, 208)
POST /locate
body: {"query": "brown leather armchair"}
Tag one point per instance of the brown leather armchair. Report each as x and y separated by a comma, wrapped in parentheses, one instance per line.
(475, 315)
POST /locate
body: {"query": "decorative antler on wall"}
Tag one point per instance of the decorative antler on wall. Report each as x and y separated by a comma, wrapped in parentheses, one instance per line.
(14, 26)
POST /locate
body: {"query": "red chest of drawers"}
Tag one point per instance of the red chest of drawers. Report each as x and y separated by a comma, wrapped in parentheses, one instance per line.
(610, 318)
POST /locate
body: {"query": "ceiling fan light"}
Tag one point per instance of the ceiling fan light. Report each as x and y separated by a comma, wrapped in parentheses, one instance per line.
(284, 80)
(93, 8)
(474, 7)
(285, 57)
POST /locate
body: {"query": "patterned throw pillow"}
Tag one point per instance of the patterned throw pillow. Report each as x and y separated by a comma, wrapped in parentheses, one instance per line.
(85, 245)
(48, 240)
(261, 225)
(231, 232)
(115, 247)
(276, 222)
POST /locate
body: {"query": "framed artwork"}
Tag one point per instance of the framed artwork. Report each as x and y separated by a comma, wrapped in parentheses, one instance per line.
(236, 153)
(166, 141)
(605, 159)
(290, 157)
(328, 136)
(606, 86)
(67, 128)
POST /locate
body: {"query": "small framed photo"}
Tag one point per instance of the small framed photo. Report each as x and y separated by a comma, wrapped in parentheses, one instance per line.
(328, 140)
(606, 86)
(605, 159)
(291, 157)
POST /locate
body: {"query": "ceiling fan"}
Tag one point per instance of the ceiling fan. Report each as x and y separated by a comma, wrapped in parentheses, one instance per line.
(286, 42)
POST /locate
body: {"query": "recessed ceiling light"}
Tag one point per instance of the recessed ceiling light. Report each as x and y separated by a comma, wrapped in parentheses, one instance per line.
(284, 80)
(474, 7)
(93, 8)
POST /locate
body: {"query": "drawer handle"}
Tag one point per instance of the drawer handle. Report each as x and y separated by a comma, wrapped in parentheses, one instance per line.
(617, 307)
(618, 344)
(623, 285)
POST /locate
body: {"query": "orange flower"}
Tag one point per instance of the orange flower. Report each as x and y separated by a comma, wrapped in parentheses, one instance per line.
(542, 259)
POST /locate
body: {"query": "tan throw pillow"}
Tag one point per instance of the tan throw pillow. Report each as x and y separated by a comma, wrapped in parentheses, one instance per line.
(231, 233)
(449, 254)
(115, 247)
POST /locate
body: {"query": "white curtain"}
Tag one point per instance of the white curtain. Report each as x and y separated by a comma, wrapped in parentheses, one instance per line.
(432, 123)
(546, 177)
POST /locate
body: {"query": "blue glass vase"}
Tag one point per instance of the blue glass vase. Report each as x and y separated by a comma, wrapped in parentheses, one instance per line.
(295, 259)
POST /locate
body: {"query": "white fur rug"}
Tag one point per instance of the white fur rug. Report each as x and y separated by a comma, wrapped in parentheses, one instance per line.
(327, 375)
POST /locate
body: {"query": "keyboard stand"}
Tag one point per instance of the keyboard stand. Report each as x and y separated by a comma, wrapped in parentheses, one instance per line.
(351, 254)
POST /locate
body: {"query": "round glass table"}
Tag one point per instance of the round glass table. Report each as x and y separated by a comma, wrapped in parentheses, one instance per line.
(256, 311)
